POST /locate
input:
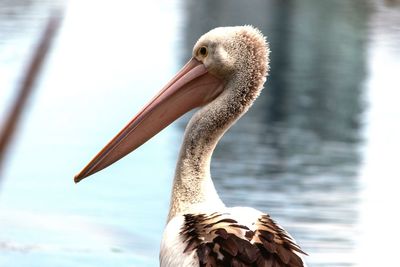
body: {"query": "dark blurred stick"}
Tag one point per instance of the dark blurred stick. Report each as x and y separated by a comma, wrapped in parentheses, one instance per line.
(27, 84)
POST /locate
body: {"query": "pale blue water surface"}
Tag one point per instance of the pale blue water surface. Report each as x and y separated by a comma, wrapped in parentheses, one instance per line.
(318, 151)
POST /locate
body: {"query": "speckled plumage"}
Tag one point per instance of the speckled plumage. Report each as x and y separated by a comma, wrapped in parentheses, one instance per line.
(237, 236)
(220, 240)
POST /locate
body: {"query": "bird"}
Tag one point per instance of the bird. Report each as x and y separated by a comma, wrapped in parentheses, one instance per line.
(225, 75)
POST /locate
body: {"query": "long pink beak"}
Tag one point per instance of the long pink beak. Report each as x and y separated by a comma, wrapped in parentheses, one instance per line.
(192, 87)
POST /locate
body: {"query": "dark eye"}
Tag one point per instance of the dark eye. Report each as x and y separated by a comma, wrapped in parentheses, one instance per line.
(203, 51)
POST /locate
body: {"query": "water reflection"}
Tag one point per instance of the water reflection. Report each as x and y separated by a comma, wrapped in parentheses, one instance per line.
(296, 154)
(309, 151)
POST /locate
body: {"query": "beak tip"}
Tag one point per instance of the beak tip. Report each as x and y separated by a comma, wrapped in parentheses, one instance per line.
(78, 178)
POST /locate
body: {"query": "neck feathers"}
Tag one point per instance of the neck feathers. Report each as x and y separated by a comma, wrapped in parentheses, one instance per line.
(193, 187)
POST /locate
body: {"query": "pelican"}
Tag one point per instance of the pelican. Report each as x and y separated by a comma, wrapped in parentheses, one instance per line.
(225, 75)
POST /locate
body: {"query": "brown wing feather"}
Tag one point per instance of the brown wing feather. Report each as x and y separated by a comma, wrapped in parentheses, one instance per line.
(220, 240)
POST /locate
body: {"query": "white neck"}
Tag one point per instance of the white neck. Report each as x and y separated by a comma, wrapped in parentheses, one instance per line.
(193, 187)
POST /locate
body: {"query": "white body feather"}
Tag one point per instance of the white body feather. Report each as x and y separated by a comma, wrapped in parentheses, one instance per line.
(173, 245)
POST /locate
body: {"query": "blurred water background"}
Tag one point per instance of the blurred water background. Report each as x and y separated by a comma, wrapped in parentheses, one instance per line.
(318, 151)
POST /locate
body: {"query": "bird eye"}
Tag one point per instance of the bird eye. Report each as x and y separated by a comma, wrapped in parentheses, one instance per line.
(203, 51)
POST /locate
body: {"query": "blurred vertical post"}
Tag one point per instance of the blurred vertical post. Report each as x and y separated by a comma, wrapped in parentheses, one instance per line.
(27, 84)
